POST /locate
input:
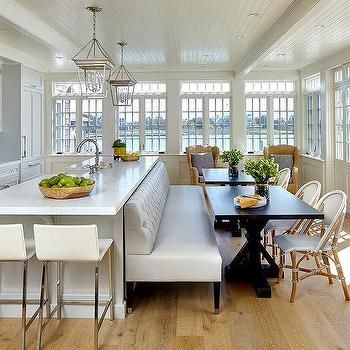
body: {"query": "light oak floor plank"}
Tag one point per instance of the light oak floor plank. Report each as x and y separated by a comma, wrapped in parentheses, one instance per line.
(178, 316)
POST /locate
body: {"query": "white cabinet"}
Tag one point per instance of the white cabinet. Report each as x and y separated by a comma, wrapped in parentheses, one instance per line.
(31, 168)
(32, 118)
(9, 175)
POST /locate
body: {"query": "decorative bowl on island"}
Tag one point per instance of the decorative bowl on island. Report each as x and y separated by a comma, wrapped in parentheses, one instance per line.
(63, 186)
(131, 157)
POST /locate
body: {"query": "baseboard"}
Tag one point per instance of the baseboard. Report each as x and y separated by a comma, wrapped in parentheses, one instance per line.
(68, 311)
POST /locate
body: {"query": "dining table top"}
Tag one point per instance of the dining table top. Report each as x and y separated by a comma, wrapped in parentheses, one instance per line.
(221, 176)
(282, 205)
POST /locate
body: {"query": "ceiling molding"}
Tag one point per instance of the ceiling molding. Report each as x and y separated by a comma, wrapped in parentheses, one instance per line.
(19, 56)
(300, 11)
(33, 25)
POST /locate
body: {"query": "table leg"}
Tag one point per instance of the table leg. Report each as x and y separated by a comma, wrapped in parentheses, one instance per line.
(247, 263)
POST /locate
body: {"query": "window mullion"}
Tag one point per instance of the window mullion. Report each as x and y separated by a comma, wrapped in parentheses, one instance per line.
(142, 122)
(79, 120)
(205, 120)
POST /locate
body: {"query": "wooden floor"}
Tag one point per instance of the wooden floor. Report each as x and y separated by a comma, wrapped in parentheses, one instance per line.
(179, 316)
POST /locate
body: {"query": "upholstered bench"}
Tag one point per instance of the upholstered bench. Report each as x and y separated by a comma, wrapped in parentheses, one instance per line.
(169, 235)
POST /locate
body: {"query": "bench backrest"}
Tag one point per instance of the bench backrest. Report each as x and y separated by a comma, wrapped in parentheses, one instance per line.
(144, 210)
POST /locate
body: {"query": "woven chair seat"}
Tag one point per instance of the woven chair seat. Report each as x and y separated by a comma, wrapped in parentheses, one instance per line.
(303, 242)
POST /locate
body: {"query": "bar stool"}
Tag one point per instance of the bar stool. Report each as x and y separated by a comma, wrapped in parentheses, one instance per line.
(73, 243)
(14, 248)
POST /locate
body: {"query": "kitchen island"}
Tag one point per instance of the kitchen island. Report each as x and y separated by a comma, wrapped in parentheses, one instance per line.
(25, 204)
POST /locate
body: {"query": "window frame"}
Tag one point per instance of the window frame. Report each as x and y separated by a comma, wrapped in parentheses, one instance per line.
(142, 97)
(269, 114)
(205, 110)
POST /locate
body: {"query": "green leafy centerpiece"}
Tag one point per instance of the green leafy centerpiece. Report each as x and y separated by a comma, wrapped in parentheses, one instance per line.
(232, 157)
(261, 170)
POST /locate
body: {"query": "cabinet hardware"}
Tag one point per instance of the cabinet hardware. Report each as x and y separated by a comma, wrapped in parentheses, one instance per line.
(33, 164)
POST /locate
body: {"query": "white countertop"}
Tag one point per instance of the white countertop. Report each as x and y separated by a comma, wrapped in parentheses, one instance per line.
(113, 188)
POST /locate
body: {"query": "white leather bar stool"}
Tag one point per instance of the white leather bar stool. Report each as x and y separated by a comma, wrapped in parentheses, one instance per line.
(73, 243)
(14, 248)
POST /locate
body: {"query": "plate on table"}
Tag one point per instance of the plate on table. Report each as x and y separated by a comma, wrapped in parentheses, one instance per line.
(261, 201)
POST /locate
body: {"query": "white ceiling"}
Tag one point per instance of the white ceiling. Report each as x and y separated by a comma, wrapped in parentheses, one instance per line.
(324, 34)
(179, 35)
(162, 34)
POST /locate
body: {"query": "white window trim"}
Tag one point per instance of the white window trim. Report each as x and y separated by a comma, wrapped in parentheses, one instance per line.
(269, 107)
(205, 126)
(142, 118)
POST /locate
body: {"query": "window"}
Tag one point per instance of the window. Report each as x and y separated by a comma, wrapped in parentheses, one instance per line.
(75, 118)
(342, 112)
(270, 115)
(129, 122)
(283, 120)
(313, 115)
(339, 121)
(256, 124)
(219, 123)
(192, 121)
(206, 114)
(142, 126)
(65, 125)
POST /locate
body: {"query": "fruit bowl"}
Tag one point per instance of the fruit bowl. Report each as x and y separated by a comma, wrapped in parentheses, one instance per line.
(63, 186)
(66, 192)
(130, 158)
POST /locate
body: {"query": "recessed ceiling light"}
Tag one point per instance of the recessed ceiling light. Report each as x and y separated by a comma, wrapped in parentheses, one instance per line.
(206, 55)
(58, 57)
(281, 55)
(319, 26)
(3, 30)
(204, 66)
(240, 36)
(254, 14)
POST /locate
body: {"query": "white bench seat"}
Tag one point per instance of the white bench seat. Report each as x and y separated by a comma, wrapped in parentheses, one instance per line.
(185, 243)
(169, 235)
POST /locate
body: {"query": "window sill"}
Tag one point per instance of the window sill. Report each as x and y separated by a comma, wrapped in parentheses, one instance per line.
(309, 156)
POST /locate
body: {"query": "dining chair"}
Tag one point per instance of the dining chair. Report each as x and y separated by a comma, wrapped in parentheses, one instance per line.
(283, 178)
(310, 194)
(322, 246)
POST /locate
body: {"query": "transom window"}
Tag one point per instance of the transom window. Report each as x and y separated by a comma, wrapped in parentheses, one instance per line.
(206, 114)
(269, 87)
(142, 126)
(270, 113)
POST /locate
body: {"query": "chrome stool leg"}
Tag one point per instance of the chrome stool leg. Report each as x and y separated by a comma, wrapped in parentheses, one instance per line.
(42, 291)
(59, 289)
(24, 305)
(111, 281)
(96, 323)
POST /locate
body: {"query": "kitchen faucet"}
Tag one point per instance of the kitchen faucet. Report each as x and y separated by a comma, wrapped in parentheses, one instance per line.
(97, 153)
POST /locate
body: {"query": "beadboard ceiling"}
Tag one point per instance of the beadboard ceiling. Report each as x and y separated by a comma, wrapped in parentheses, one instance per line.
(326, 33)
(179, 35)
(162, 34)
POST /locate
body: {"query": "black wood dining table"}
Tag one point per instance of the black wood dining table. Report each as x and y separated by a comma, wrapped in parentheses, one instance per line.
(220, 176)
(247, 264)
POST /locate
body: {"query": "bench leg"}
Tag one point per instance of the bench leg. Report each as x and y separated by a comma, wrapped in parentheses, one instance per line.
(129, 296)
(217, 297)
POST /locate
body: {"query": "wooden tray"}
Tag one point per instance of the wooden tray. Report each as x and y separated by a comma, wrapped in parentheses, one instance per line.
(66, 193)
(130, 159)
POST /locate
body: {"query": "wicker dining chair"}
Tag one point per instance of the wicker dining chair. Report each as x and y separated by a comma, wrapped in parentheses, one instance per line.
(282, 178)
(321, 246)
(310, 194)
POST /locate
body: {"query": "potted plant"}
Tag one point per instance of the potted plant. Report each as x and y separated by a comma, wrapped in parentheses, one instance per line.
(261, 170)
(119, 149)
(232, 157)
